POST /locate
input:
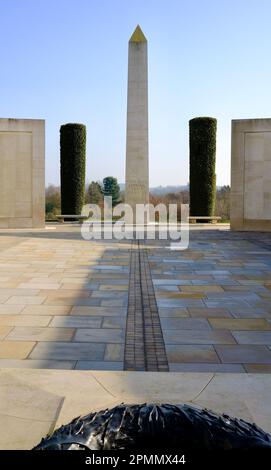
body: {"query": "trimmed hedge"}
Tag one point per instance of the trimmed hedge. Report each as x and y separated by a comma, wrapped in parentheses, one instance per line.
(202, 142)
(72, 167)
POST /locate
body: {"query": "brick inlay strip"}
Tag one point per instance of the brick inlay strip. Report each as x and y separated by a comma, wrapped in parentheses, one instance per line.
(144, 343)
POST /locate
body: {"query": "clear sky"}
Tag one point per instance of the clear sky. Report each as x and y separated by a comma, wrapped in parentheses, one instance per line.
(66, 61)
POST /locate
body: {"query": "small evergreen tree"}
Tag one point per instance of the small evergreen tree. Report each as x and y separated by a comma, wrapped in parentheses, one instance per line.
(94, 193)
(111, 188)
(52, 201)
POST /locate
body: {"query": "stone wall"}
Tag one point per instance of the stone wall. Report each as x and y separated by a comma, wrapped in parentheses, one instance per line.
(22, 186)
(251, 175)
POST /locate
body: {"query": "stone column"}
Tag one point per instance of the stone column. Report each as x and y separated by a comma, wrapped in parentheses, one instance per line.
(137, 164)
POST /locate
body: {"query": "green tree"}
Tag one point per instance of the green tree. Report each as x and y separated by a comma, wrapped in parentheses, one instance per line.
(72, 167)
(202, 141)
(223, 202)
(111, 188)
(52, 201)
(94, 193)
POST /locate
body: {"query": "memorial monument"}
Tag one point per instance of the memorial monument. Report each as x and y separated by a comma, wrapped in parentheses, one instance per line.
(251, 175)
(137, 160)
(22, 166)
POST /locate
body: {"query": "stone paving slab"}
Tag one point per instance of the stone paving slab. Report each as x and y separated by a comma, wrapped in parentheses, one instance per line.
(252, 337)
(16, 349)
(173, 313)
(252, 354)
(37, 364)
(185, 324)
(46, 310)
(68, 351)
(99, 365)
(41, 400)
(103, 311)
(209, 313)
(106, 335)
(4, 331)
(210, 367)
(24, 320)
(199, 336)
(239, 324)
(76, 321)
(191, 353)
(34, 333)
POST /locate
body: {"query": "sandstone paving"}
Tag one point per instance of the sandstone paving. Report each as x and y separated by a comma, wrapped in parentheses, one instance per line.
(103, 311)
(24, 320)
(76, 321)
(113, 303)
(232, 273)
(15, 349)
(29, 333)
(240, 324)
(63, 300)
(113, 322)
(4, 331)
(191, 353)
(195, 337)
(209, 313)
(252, 337)
(39, 310)
(114, 352)
(25, 300)
(242, 354)
(99, 365)
(209, 367)
(37, 364)
(110, 335)
(173, 312)
(185, 324)
(68, 351)
(258, 368)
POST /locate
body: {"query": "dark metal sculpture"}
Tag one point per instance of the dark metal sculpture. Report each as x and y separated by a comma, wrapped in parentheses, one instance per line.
(152, 426)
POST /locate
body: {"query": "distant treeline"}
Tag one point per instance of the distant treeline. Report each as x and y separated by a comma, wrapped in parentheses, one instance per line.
(94, 194)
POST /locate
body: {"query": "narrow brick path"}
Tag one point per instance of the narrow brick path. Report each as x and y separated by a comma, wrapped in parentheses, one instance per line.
(144, 344)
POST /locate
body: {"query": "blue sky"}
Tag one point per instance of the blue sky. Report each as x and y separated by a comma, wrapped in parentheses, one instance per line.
(66, 61)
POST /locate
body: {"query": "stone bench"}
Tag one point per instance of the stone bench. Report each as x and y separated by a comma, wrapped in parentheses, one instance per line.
(61, 217)
(213, 219)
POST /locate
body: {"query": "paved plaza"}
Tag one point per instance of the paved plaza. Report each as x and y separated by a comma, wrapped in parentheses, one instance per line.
(138, 321)
(65, 301)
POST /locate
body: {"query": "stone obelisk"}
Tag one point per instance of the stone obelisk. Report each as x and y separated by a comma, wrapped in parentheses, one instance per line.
(137, 159)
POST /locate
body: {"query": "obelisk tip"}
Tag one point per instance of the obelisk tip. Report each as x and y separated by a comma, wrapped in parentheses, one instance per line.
(138, 35)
